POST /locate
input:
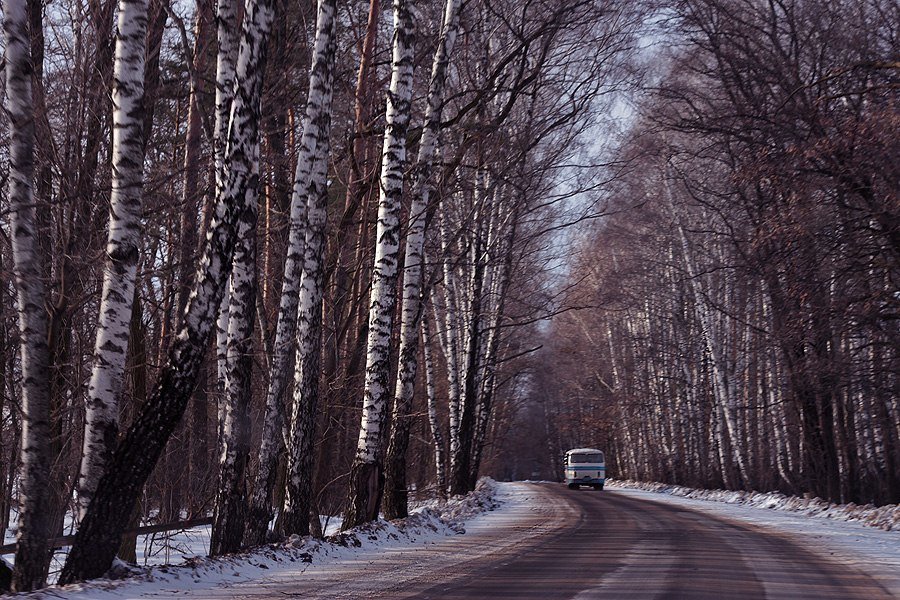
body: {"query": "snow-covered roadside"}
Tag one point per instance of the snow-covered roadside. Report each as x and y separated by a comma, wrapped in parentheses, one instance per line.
(428, 524)
(842, 535)
(883, 517)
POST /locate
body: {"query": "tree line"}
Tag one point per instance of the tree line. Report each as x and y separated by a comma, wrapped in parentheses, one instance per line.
(745, 285)
(274, 260)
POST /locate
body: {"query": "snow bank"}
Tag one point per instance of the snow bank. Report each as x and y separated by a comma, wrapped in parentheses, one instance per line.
(428, 522)
(883, 517)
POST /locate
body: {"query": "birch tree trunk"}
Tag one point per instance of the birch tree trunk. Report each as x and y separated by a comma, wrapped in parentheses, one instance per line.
(722, 388)
(98, 537)
(366, 477)
(395, 499)
(450, 339)
(460, 466)
(309, 189)
(34, 493)
(498, 299)
(122, 250)
(229, 512)
(234, 327)
(297, 510)
(227, 37)
(437, 432)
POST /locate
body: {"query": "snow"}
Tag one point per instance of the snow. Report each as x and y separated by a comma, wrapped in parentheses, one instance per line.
(201, 577)
(865, 538)
(883, 517)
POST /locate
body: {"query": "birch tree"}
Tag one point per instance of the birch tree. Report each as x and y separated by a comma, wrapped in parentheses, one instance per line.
(229, 514)
(395, 504)
(98, 537)
(122, 249)
(366, 477)
(237, 312)
(34, 528)
(437, 431)
(228, 41)
(302, 285)
(474, 330)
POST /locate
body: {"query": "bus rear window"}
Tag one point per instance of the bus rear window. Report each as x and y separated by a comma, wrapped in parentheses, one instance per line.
(586, 458)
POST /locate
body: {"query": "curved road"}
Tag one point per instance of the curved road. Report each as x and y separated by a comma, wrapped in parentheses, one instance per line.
(621, 548)
(551, 543)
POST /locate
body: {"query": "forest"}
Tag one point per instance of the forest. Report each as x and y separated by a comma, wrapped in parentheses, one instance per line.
(264, 261)
(746, 283)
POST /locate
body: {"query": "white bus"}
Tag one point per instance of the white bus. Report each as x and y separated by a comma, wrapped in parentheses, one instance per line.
(585, 466)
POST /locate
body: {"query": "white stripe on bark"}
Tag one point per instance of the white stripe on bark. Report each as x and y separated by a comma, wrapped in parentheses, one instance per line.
(384, 276)
(364, 485)
(131, 464)
(34, 493)
(122, 249)
(411, 310)
(437, 432)
(228, 45)
(309, 188)
(450, 337)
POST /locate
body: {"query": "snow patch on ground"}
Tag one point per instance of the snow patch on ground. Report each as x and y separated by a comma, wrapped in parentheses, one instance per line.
(151, 549)
(427, 523)
(883, 517)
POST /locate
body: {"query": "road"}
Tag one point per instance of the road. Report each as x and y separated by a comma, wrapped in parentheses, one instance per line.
(624, 548)
(553, 543)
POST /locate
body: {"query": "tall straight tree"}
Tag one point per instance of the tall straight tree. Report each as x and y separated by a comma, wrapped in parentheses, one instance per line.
(306, 377)
(308, 195)
(101, 529)
(101, 426)
(239, 310)
(229, 511)
(395, 499)
(366, 477)
(460, 465)
(34, 492)
(434, 423)
(228, 41)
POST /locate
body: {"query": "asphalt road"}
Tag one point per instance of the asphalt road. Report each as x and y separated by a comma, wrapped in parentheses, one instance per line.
(554, 543)
(622, 548)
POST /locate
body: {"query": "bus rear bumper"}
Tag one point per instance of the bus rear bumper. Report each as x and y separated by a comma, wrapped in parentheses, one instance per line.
(586, 481)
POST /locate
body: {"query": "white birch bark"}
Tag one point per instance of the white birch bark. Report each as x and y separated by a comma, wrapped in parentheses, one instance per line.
(122, 249)
(437, 432)
(366, 474)
(227, 39)
(298, 502)
(461, 464)
(98, 537)
(411, 310)
(449, 336)
(228, 515)
(309, 187)
(721, 387)
(497, 301)
(34, 494)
